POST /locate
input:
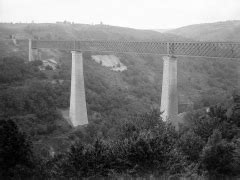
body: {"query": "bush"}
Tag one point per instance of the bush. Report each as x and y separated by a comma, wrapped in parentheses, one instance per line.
(218, 155)
(87, 161)
(16, 153)
(48, 67)
(190, 145)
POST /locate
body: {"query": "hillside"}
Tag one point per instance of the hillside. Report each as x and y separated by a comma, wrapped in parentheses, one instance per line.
(162, 30)
(219, 31)
(112, 97)
(80, 32)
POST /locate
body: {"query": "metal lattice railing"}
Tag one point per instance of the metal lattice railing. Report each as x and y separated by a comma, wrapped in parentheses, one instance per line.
(209, 49)
(106, 46)
(62, 45)
(203, 49)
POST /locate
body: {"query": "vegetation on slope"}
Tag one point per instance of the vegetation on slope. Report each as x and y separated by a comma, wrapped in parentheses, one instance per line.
(219, 31)
(80, 32)
(208, 145)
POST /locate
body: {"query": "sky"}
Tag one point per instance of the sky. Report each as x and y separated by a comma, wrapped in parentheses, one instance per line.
(140, 14)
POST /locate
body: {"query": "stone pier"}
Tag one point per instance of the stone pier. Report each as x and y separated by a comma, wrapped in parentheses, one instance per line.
(78, 109)
(30, 54)
(33, 53)
(169, 98)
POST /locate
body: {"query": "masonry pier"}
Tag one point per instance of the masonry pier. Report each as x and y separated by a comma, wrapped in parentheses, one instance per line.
(30, 55)
(169, 98)
(33, 53)
(78, 109)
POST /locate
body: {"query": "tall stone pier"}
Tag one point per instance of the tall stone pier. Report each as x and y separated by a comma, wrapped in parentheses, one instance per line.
(30, 54)
(33, 53)
(169, 99)
(78, 109)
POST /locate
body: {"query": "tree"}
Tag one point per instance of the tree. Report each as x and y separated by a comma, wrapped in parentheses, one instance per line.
(48, 67)
(218, 156)
(87, 160)
(15, 152)
(191, 144)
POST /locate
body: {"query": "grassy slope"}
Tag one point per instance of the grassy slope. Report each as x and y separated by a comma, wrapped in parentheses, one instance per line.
(220, 31)
(81, 31)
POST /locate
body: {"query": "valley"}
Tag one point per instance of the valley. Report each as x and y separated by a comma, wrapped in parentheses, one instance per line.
(123, 95)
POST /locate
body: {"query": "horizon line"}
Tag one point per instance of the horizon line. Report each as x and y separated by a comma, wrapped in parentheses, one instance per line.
(66, 22)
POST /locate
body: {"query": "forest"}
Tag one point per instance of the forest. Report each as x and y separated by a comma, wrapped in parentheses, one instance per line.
(122, 139)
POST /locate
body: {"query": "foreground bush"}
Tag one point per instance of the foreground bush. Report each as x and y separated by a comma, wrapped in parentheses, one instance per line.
(15, 152)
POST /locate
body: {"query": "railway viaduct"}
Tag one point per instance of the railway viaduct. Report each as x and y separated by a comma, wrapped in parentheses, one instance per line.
(168, 50)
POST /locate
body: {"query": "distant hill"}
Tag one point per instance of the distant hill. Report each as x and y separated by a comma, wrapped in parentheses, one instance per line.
(81, 32)
(219, 31)
(162, 30)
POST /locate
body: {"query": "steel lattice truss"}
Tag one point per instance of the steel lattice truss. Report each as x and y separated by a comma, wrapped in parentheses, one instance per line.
(201, 49)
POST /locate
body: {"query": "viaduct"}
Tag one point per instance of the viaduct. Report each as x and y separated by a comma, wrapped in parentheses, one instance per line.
(169, 50)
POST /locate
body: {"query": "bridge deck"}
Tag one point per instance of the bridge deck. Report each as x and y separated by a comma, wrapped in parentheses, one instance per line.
(201, 49)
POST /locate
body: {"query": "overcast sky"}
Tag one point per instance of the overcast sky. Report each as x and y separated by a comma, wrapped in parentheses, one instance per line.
(142, 14)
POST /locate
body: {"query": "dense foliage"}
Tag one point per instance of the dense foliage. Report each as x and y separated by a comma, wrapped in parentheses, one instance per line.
(119, 140)
(144, 145)
(13, 69)
(16, 153)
